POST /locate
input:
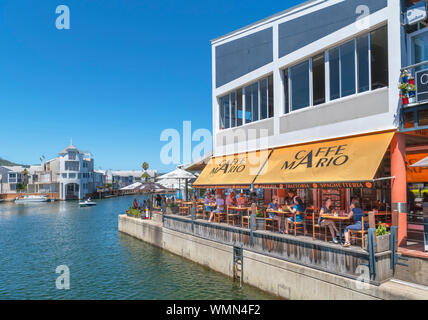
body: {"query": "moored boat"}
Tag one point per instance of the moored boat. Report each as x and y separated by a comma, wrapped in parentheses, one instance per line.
(87, 203)
(31, 199)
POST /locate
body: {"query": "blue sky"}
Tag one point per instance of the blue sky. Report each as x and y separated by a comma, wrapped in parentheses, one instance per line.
(124, 72)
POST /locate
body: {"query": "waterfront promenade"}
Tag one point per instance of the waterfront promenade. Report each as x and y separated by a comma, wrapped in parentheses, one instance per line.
(287, 279)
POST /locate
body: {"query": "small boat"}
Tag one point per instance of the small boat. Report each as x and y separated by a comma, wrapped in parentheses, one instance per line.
(31, 199)
(87, 203)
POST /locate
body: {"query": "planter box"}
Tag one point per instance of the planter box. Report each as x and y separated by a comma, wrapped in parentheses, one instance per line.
(383, 243)
(260, 223)
(171, 210)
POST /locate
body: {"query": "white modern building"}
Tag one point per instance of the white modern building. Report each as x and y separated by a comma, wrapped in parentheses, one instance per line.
(314, 80)
(323, 69)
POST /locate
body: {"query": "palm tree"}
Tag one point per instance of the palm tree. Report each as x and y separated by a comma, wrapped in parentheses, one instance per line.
(145, 166)
(145, 175)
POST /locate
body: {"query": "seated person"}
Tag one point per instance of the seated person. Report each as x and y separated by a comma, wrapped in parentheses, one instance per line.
(231, 199)
(328, 209)
(136, 204)
(208, 201)
(357, 214)
(241, 201)
(298, 209)
(220, 207)
(272, 215)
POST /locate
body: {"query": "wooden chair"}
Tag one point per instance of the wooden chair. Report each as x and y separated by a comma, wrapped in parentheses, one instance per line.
(246, 218)
(232, 217)
(184, 211)
(270, 223)
(298, 224)
(358, 234)
(316, 226)
(219, 216)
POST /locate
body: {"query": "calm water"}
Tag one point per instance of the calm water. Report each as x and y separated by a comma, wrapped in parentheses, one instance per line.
(104, 264)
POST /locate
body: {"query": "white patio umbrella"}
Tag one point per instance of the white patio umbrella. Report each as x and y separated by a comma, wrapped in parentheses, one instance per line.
(421, 163)
(132, 186)
(178, 174)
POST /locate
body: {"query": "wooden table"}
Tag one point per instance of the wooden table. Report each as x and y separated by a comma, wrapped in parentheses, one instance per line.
(185, 207)
(239, 209)
(336, 218)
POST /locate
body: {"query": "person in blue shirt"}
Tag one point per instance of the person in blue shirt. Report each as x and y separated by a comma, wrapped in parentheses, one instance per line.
(272, 215)
(298, 210)
(357, 213)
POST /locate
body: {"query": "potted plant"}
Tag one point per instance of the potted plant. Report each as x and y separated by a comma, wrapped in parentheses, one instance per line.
(260, 219)
(383, 236)
(172, 208)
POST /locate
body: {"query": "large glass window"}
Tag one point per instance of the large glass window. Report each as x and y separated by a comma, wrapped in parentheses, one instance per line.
(257, 99)
(286, 92)
(239, 107)
(379, 57)
(347, 68)
(358, 65)
(299, 86)
(419, 49)
(318, 71)
(264, 98)
(334, 64)
(363, 63)
(248, 105)
(270, 96)
(233, 109)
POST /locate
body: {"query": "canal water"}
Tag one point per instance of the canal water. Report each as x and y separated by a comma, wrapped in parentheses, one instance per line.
(104, 264)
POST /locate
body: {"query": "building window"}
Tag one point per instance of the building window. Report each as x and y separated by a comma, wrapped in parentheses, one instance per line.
(318, 70)
(347, 68)
(419, 48)
(72, 155)
(334, 64)
(240, 112)
(299, 76)
(258, 101)
(379, 57)
(72, 165)
(356, 66)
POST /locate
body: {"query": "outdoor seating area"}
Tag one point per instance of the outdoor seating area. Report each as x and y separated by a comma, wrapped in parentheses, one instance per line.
(339, 216)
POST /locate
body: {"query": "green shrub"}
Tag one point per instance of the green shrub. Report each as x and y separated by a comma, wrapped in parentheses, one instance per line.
(381, 230)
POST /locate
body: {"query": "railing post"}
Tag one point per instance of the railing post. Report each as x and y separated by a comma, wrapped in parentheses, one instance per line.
(192, 214)
(372, 252)
(252, 223)
(163, 210)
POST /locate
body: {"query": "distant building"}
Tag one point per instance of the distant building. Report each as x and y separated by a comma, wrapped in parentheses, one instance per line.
(123, 178)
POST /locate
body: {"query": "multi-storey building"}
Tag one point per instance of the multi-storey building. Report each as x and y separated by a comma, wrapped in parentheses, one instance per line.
(313, 82)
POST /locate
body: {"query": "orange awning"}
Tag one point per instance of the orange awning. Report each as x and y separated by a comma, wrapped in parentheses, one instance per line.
(232, 171)
(346, 162)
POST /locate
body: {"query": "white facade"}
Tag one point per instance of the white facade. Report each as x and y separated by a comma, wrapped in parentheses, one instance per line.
(357, 113)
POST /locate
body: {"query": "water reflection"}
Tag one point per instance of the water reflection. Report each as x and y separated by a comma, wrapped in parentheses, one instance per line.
(104, 264)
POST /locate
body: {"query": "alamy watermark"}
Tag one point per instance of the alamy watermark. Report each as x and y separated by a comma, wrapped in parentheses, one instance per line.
(63, 280)
(63, 20)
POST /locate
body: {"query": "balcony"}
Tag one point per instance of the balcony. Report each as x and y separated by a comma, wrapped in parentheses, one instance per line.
(414, 111)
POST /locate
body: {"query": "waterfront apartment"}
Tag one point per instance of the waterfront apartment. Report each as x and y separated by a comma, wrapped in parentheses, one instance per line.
(315, 89)
(69, 176)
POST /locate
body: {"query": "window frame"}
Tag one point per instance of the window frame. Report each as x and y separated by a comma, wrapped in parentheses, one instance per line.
(235, 92)
(287, 77)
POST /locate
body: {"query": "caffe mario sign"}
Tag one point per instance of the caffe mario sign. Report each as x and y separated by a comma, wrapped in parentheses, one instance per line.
(319, 157)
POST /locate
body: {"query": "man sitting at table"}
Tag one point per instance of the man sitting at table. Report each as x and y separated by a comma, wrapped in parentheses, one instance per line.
(327, 209)
(231, 199)
(220, 207)
(357, 214)
(272, 215)
(241, 201)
